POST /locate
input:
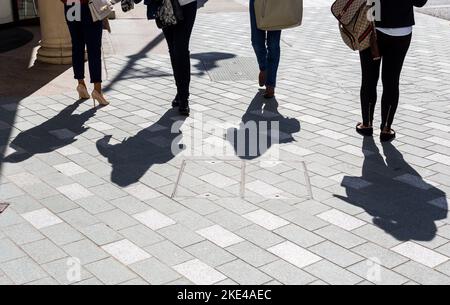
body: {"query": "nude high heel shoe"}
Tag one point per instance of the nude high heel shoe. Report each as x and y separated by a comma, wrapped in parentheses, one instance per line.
(82, 92)
(97, 96)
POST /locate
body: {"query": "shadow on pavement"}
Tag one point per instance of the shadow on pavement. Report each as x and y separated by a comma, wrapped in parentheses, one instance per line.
(18, 80)
(400, 201)
(262, 126)
(51, 135)
(133, 157)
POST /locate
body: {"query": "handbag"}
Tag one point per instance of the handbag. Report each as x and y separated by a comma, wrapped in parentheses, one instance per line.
(169, 13)
(100, 9)
(358, 31)
(273, 15)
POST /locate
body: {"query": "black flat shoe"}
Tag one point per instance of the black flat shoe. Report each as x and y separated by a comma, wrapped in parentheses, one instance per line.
(388, 137)
(367, 131)
(176, 102)
(184, 110)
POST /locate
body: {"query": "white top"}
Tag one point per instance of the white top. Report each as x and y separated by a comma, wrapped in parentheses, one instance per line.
(184, 2)
(397, 32)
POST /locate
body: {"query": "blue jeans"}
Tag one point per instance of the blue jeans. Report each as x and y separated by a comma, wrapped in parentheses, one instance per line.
(267, 48)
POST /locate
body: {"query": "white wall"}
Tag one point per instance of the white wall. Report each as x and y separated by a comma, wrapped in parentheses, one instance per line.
(5, 11)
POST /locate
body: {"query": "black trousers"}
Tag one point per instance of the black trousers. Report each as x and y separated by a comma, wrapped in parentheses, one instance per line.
(86, 33)
(393, 52)
(178, 38)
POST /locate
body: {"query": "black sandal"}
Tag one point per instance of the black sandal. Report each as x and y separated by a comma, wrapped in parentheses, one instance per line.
(366, 131)
(388, 137)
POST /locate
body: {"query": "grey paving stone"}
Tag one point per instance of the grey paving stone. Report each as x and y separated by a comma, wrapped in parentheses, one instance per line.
(48, 281)
(287, 273)
(385, 257)
(259, 236)
(9, 190)
(192, 220)
(43, 251)
(95, 205)
(336, 254)
(155, 272)
(9, 251)
(377, 274)
(298, 235)
(180, 235)
(90, 282)
(85, 250)
(341, 237)
(62, 234)
(169, 253)
(24, 204)
(210, 253)
(58, 204)
(61, 271)
(141, 235)
(377, 236)
(444, 268)
(422, 274)
(306, 221)
(332, 274)
(130, 205)
(101, 234)
(78, 218)
(229, 220)
(110, 271)
(244, 273)
(116, 219)
(23, 233)
(252, 254)
(9, 218)
(107, 192)
(23, 270)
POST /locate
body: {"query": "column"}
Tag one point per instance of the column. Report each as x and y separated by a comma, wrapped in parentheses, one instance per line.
(55, 46)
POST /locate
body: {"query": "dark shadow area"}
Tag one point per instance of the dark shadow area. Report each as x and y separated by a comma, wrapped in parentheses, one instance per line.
(19, 80)
(262, 126)
(201, 3)
(14, 38)
(53, 134)
(398, 198)
(132, 158)
(208, 61)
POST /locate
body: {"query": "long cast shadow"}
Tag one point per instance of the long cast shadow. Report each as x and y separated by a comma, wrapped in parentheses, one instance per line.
(262, 126)
(133, 157)
(59, 131)
(400, 201)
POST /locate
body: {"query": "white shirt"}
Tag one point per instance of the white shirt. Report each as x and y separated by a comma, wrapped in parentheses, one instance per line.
(184, 2)
(397, 32)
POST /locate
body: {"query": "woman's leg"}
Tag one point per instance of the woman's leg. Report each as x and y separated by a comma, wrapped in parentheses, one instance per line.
(394, 57)
(370, 70)
(273, 57)
(93, 32)
(258, 40)
(169, 35)
(181, 54)
(78, 47)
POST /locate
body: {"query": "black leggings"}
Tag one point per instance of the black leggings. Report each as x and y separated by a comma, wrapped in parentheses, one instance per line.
(393, 51)
(178, 38)
(86, 33)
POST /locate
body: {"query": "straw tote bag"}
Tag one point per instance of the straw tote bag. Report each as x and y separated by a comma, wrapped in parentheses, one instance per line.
(274, 15)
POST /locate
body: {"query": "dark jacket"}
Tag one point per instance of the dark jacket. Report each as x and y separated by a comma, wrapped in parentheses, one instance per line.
(398, 13)
(152, 7)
